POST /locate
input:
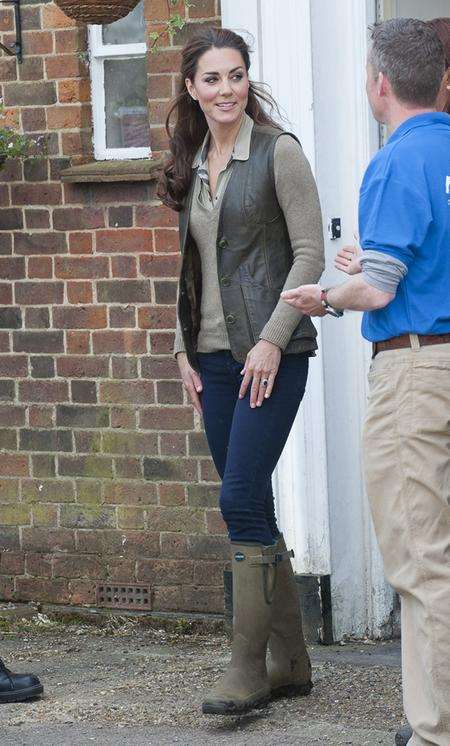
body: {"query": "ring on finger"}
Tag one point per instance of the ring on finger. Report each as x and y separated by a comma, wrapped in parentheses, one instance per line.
(265, 382)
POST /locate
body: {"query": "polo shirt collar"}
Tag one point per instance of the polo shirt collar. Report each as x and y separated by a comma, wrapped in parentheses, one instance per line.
(241, 150)
(420, 120)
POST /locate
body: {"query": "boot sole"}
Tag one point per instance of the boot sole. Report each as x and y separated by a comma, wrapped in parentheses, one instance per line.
(22, 695)
(233, 708)
(292, 690)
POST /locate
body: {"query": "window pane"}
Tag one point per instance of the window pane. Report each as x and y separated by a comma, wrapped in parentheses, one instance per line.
(129, 30)
(127, 124)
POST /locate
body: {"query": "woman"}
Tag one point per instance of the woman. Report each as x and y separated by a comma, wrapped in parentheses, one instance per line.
(442, 29)
(250, 226)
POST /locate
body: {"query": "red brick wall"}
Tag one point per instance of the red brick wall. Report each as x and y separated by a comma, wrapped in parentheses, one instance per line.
(104, 472)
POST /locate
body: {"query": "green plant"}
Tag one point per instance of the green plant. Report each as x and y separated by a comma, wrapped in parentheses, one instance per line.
(175, 23)
(12, 143)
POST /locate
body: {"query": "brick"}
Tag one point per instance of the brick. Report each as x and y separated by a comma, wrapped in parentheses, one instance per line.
(46, 440)
(208, 472)
(172, 494)
(70, 40)
(84, 391)
(130, 518)
(125, 418)
(8, 70)
(173, 444)
(89, 267)
(42, 589)
(7, 390)
(71, 218)
(125, 291)
(48, 540)
(122, 193)
(80, 292)
(129, 443)
(5, 243)
(9, 489)
(38, 293)
(5, 293)
(123, 241)
(156, 216)
(165, 292)
(85, 466)
(6, 588)
(35, 169)
(160, 86)
(15, 515)
(9, 539)
(162, 344)
(157, 317)
(63, 66)
(89, 491)
(82, 367)
(12, 170)
(121, 570)
(11, 219)
(40, 267)
(41, 417)
(37, 318)
(8, 441)
(122, 317)
(48, 491)
(43, 466)
(81, 243)
(167, 240)
(77, 566)
(128, 468)
(168, 418)
(39, 342)
(166, 62)
(54, 18)
(158, 265)
(160, 368)
(37, 218)
(31, 18)
(78, 343)
(42, 367)
(12, 563)
(209, 547)
(29, 94)
(123, 367)
(104, 542)
(39, 243)
(36, 194)
(83, 516)
(39, 565)
(4, 342)
(120, 217)
(38, 42)
(169, 392)
(44, 515)
(215, 523)
(11, 416)
(165, 572)
(12, 268)
(82, 417)
(77, 143)
(129, 392)
(33, 120)
(140, 544)
(74, 91)
(87, 441)
(82, 592)
(170, 470)
(13, 366)
(32, 68)
(128, 341)
(197, 599)
(130, 493)
(68, 117)
(124, 266)
(83, 317)
(14, 465)
(43, 391)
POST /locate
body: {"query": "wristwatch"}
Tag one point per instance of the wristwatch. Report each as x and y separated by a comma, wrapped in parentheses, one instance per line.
(329, 309)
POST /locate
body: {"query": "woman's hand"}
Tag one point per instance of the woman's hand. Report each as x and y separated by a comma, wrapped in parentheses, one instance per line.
(261, 365)
(348, 260)
(191, 381)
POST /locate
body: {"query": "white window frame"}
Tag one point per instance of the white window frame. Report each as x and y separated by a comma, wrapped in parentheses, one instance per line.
(99, 52)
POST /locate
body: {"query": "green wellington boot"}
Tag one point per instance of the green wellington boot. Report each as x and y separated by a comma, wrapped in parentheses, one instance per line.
(245, 684)
(288, 666)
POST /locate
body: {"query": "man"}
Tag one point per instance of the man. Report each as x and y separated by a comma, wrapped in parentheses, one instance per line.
(402, 281)
(18, 687)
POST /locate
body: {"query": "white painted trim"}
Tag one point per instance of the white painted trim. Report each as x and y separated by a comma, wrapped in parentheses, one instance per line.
(99, 52)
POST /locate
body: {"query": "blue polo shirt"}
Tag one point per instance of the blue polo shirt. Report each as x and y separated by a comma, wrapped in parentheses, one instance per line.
(404, 211)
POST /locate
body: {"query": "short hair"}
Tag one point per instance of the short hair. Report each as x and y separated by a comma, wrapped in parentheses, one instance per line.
(411, 56)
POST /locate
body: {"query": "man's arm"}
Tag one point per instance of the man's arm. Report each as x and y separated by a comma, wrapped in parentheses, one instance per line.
(355, 295)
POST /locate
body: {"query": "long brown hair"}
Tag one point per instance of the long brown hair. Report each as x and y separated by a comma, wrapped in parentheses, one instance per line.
(442, 29)
(190, 122)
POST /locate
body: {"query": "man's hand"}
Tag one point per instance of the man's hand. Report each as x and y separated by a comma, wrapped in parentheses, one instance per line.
(191, 381)
(306, 298)
(348, 260)
(261, 365)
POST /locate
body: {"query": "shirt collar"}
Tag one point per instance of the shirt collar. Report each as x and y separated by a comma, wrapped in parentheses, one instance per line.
(420, 120)
(241, 150)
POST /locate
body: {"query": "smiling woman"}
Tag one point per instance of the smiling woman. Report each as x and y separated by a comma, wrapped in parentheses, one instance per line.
(250, 226)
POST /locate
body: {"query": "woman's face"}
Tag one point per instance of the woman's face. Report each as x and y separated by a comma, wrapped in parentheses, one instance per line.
(220, 85)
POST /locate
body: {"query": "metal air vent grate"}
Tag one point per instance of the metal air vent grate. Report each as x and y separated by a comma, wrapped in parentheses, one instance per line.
(115, 596)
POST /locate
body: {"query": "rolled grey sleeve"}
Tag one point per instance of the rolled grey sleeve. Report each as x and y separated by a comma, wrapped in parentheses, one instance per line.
(382, 271)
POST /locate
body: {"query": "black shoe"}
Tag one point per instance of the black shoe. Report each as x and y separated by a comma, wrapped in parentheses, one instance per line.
(403, 736)
(18, 687)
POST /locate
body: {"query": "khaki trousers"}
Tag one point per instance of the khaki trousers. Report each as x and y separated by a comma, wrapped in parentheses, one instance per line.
(407, 471)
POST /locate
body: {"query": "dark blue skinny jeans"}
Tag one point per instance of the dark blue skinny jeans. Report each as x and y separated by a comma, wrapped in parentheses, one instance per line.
(246, 443)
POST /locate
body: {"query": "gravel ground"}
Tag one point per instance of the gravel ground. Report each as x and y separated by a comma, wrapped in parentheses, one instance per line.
(126, 684)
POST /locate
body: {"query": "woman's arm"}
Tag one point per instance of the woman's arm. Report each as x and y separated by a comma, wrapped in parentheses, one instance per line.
(299, 200)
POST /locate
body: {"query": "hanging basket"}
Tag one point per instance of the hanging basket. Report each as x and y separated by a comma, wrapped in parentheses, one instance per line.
(96, 11)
